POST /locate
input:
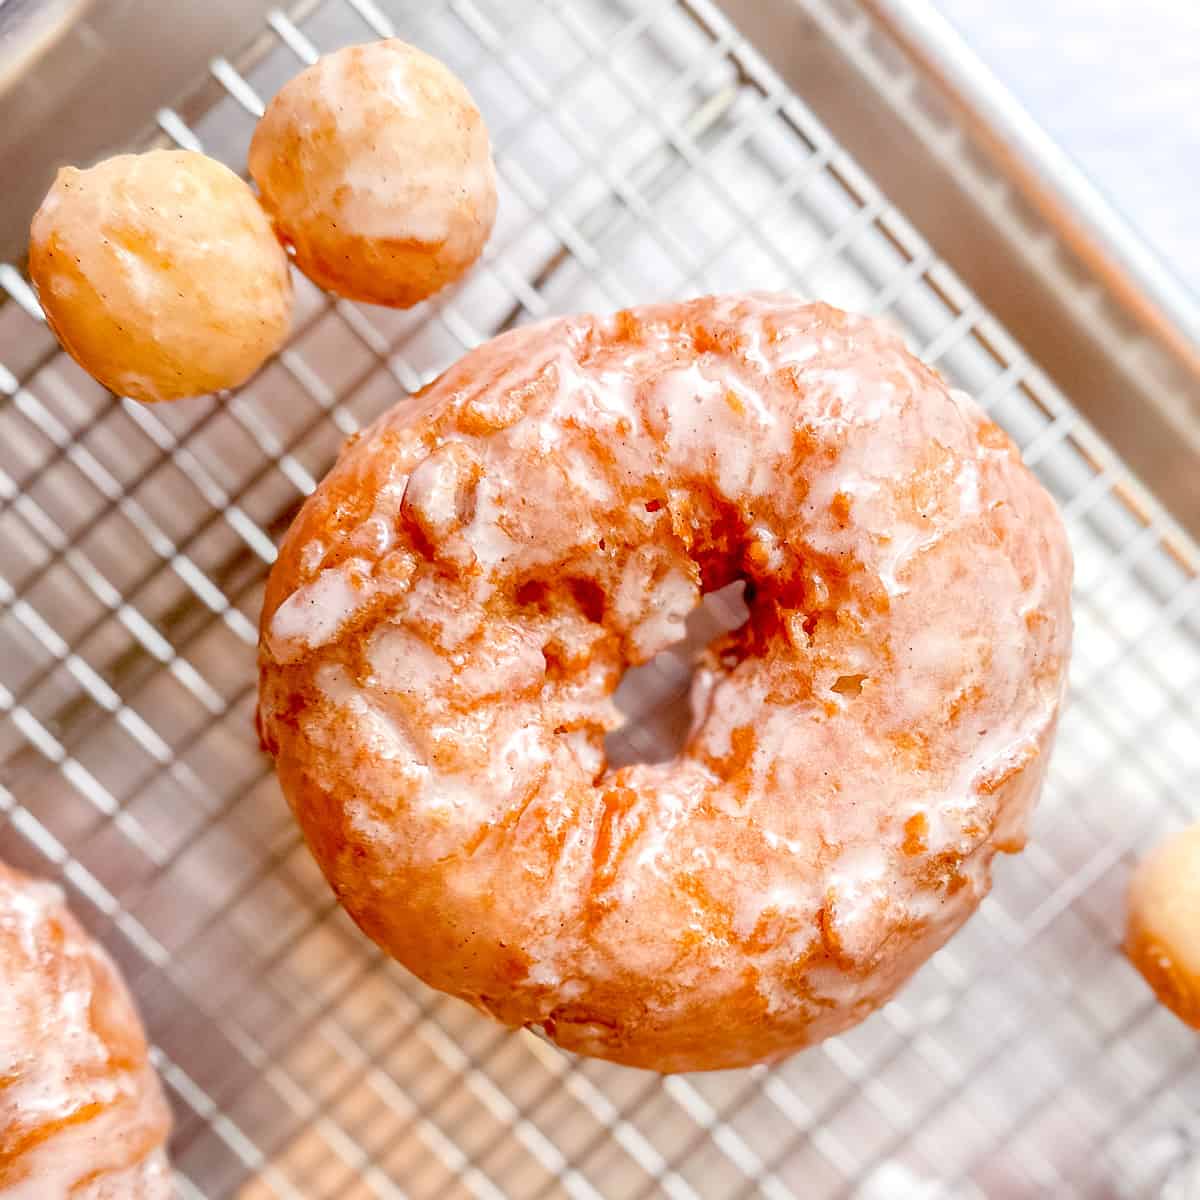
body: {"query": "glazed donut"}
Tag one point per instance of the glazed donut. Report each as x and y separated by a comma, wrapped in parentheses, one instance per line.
(1162, 935)
(454, 606)
(81, 1110)
(376, 167)
(160, 274)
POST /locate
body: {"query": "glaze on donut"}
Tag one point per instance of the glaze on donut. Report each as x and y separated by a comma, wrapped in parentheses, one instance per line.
(81, 1110)
(453, 608)
(376, 168)
(160, 274)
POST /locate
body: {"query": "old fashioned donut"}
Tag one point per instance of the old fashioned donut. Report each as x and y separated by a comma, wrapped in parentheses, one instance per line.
(453, 607)
(376, 167)
(1162, 933)
(81, 1110)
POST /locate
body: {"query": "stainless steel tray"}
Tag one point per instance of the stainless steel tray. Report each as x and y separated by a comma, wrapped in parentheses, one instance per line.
(645, 150)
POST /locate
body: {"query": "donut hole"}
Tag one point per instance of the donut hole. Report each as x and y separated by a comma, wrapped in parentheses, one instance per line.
(654, 696)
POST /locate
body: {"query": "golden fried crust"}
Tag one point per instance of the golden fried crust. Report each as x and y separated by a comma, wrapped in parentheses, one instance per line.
(1163, 931)
(376, 168)
(81, 1110)
(453, 607)
(160, 274)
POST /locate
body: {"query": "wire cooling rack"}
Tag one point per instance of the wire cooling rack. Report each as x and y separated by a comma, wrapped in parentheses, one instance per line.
(645, 151)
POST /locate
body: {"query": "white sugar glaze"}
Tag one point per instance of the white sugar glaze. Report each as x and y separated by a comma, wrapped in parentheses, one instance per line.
(861, 748)
(81, 1110)
(409, 163)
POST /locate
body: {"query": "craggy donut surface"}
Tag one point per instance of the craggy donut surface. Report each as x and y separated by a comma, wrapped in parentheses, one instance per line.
(453, 607)
(81, 1110)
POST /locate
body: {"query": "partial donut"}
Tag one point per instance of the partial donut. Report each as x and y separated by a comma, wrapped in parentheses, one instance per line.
(453, 608)
(376, 167)
(160, 274)
(1162, 935)
(81, 1110)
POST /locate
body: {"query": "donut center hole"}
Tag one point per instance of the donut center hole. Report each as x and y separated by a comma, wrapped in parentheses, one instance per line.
(654, 697)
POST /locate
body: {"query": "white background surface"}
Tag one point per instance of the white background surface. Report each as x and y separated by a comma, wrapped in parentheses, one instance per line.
(1117, 84)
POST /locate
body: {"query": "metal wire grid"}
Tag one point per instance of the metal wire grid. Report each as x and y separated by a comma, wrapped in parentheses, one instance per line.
(644, 151)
